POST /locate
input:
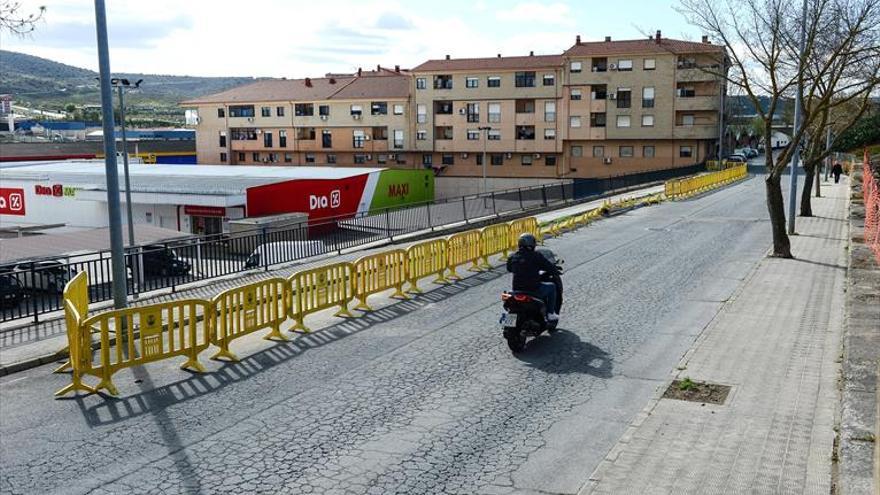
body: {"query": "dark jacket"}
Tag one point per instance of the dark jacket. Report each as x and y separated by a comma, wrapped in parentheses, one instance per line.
(836, 169)
(525, 265)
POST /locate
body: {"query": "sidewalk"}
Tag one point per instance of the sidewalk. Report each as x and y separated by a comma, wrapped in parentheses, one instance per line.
(34, 345)
(777, 344)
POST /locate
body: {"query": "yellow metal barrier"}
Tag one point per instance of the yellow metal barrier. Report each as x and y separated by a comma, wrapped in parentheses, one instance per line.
(423, 259)
(321, 288)
(494, 239)
(462, 248)
(379, 272)
(244, 310)
(524, 225)
(695, 185)
(76, 309)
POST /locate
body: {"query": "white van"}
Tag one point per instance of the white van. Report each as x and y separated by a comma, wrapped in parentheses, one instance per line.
(273, 253)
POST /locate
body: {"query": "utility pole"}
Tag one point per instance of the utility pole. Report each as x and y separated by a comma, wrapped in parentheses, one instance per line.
(817, 175)
(828, 158)
(117, 257)
(125, 164)
(792, 191)
(721, 121)
(485, 130)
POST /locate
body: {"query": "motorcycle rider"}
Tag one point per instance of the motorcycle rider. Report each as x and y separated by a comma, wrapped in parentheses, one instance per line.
(525, 264)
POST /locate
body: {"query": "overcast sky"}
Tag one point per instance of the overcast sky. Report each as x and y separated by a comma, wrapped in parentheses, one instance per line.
(296, 38)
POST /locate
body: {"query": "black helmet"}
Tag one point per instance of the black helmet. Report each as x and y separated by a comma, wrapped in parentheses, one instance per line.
(527, 241)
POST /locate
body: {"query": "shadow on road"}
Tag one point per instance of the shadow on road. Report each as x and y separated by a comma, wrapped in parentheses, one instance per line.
(153, 401)
(564, 352)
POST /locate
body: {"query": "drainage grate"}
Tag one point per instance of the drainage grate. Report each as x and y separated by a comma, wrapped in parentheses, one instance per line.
(697, 391)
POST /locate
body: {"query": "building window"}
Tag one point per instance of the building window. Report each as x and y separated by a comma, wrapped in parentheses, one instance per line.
(648, 151)
(304, 109)
(357, 110)
(493, 81)
(267, 139)
(525, 132)
(288, 157)
(241, 156)
(685, 151)
(398, 139)
(255, 157)
(623, 121)
(473, 112)
(279, 111)
(222, 139)
(525, 106)
(550, 160)
(221, 113)
(549, 79)
(306, 133)
(421, 135)
(420, 83)
(443, 81)
(324, 110)
(597, 119)
(241, 111)
(479, 159)
(575, 94)
(360, 158)
(524, 79)
(574, 121)
(443, 132)
(326, 139)
(357, 139)
(599, 64)
(380, 133)
(282, 138)
(687, 62)
(494, 134)
(625, 65)
(422, 113)
(577, 151)
(496, 159)
(265, 111)
(549, 134)
(398, 109)
(576, 67)
(687, 120)
(626, 151)
(624, 98)
(443, 107)
(427, 160)
(650, 64)
(526, 160)
(273, 157)
(331, 158)
(647, 121)
(447, 159)
(310, 158)
(223, 157)
(549, 111)
(473, 134)
(687, 92)
(494, 112)
(471, 82)
(598, 151)
(379, 108)
(648, 97)
(381, 159)
(244, 134)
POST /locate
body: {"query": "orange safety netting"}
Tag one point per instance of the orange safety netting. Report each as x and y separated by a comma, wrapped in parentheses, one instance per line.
(871, 190)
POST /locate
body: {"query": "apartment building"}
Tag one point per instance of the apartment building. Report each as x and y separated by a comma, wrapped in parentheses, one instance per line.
(346, 119)
(640, 105)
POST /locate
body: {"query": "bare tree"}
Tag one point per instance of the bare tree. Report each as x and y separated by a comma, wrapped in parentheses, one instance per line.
(13, 20)
(762, 38)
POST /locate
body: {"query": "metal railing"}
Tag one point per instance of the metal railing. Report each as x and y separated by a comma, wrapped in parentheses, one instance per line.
(30, 289)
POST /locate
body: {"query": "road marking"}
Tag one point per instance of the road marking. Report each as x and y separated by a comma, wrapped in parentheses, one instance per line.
(13, 381)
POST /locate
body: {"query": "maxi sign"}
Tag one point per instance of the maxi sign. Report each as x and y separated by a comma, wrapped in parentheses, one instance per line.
(12, 201)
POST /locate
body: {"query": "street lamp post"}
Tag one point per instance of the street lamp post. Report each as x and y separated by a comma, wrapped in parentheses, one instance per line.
(792, 191)
(485, 142)
(121, 85)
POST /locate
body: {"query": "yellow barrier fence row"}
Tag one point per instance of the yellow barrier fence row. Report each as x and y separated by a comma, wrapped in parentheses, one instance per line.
(377, 273)
(424, 259)
(463, 248)
(701, 183)
(494, 239)
(243, 310)
(321, 288)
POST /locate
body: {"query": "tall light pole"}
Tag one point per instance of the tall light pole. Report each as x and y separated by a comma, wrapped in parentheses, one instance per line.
(796, 156)
(121, 85)
(485, 142)
(117, 257)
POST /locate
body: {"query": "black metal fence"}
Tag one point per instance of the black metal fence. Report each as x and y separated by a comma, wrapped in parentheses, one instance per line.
(32, 288)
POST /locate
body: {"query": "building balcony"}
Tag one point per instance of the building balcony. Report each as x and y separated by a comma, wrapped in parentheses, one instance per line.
(247, 145)
(445, 120)
(703, 131)
(596, 133)
(598, 106)
(444, 145)
(697, 103)
(696, 74)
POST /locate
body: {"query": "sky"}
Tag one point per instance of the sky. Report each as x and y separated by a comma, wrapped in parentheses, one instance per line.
(296, 38)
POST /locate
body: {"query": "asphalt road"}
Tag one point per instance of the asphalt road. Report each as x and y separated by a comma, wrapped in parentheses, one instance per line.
(420, 397)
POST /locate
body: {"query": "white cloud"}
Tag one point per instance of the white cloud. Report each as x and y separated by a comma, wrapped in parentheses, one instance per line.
(554, 13)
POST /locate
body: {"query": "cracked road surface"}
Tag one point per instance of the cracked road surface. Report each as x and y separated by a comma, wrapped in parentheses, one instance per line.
(421, 396)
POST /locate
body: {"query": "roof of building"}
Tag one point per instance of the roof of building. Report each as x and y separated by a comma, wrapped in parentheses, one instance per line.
(652, 45)
(179, 179)
(382, 83)
(491, 63)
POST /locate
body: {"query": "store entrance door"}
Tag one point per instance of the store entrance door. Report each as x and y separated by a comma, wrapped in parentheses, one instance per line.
(207, 225)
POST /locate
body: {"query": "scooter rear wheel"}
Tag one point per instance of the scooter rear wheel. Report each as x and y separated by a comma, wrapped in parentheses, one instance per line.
(516, 343)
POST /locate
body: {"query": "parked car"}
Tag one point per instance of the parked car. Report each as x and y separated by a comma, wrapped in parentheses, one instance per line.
(49, 275)
(11, 292)
(751, 152)
(162, 261)
(735, 159)
(273, 253)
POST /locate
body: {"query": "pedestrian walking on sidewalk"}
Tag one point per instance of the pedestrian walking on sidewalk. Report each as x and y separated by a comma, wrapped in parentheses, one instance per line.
(836, 170)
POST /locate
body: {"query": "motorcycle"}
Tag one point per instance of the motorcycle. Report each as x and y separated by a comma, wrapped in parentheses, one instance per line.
(525, 314)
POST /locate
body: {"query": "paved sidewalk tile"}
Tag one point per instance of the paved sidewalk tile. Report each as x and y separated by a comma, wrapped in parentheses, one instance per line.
(777, 343)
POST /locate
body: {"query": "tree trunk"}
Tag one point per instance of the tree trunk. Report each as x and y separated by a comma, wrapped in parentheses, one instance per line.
(807, 193)
(776, 208)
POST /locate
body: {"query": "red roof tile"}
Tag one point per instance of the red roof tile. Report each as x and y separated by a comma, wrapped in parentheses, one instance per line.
(627, 47)
(491, 63)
